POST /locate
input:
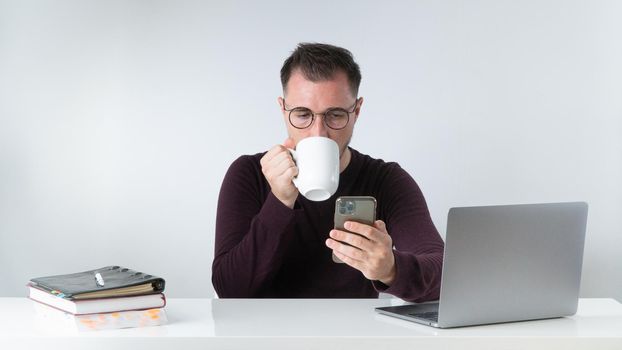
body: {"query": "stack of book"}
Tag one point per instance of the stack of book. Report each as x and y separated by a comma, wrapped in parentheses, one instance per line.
(107, 298)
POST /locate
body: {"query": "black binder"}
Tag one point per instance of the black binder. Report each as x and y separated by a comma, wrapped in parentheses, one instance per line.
(106, 282)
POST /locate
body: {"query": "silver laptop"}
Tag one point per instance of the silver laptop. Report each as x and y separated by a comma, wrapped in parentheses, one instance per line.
(506, 263)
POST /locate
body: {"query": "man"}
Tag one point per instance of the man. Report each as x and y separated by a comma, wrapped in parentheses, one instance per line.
(272, 242)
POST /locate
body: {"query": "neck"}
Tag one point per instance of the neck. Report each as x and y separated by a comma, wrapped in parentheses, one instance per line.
(345, 158)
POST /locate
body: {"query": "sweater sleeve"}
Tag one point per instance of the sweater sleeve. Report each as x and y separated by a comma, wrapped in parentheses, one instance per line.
(252, 234)
(418, 247)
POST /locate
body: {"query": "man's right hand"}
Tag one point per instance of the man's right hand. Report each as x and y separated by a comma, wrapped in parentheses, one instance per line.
(279, 169)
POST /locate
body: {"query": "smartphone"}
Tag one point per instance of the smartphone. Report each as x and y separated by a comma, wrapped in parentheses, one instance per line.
(354, 208)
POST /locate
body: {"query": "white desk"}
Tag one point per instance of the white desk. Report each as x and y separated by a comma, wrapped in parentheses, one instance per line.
(312, 324)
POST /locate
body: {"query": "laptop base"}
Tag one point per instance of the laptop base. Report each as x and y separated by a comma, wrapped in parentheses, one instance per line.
(426, 314)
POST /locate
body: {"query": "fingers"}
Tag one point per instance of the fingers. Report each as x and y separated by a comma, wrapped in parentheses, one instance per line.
(282, 161)
(279, 169)
(276, 166)
(273, 152)
(278, 150)
(349, 261)
(275, 157)
(351, 239)
(352, 253)
(380, 225)
(373, 233)
(369, 249)
(287, 169)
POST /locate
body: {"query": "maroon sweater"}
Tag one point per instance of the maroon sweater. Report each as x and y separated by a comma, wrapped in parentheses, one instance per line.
(266, 250)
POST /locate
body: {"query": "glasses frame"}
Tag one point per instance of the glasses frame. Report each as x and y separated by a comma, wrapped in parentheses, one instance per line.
(323, 114)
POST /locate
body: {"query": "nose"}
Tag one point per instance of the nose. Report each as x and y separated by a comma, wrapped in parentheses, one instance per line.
(318, 128)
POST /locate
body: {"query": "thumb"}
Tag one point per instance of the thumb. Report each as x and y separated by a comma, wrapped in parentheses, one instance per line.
(289, 143)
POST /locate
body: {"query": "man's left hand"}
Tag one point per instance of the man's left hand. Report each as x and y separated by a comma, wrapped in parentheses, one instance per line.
(370, 249)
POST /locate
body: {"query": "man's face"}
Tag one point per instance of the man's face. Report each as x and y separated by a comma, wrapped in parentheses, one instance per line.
(318, 97)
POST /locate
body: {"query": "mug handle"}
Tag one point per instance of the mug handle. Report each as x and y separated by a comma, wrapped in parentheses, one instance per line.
(295, 158)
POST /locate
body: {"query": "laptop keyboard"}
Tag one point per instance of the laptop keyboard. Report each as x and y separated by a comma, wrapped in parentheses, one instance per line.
(431, 315)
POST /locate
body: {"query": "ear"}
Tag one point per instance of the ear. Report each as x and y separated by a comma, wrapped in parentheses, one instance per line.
(357, 110)
(281, 102)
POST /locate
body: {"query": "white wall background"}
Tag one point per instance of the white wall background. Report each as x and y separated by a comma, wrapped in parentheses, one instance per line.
(118, 119)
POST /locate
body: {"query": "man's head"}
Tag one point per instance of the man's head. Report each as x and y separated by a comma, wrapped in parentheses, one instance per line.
(320, 77)
(320, 62)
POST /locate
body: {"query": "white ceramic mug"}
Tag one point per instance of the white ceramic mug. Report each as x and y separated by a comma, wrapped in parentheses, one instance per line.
(317, 159)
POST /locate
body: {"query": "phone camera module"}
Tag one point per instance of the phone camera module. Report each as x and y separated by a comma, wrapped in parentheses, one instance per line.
(347, 207)
(350, 207)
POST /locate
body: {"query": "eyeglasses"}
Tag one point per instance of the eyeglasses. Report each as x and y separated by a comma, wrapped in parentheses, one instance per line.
(335, 118)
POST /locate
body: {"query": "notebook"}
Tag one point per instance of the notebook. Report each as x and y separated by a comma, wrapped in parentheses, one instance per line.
(105, 282)
(506, 263)
(100, 305)
(51, 321)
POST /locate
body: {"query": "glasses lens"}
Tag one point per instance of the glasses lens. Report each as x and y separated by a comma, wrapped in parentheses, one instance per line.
(301, 117)
(337, 118)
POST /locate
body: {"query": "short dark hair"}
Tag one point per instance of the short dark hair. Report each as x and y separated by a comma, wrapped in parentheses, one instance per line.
(319, 62)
